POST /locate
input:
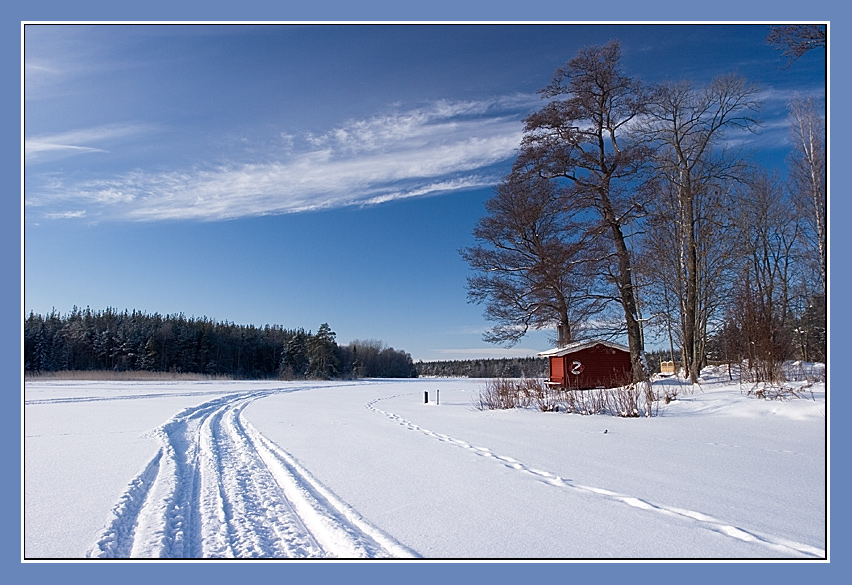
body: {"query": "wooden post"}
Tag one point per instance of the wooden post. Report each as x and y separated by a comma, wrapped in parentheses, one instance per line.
(426, 397)
(438, 397)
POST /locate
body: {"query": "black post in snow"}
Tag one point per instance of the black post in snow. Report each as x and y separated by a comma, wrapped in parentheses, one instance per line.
(426, 397)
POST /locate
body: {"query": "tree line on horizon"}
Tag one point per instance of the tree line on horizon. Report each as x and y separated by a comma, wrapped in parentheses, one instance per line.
(517, 367)
(87, 340)
(631, 211)
(129, 341)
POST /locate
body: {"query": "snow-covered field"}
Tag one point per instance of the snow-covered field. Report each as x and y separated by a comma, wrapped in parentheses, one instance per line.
(367, 469)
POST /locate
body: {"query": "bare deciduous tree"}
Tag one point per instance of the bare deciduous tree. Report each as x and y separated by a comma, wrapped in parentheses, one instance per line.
(530, 269)
(794, 40)
(760, 307)
(584, 138)
(808, 179)
(662, 265)
(689, 124)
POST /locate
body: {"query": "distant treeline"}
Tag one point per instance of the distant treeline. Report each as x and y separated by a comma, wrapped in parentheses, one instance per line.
(134, 341)
(529, 367)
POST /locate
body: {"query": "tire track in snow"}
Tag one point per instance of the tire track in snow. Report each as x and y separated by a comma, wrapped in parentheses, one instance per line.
(346, 534)
(780, 545)
(218, 488)
(143, 396)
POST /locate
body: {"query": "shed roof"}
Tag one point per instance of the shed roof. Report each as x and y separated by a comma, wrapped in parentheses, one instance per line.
(579, 345)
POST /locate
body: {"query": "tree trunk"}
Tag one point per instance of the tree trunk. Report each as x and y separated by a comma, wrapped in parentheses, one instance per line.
(563, 329)
(626, 291)
(690, 337)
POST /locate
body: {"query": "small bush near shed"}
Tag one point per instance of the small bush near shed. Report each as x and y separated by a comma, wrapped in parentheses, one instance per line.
(627, 401)
(502, 394)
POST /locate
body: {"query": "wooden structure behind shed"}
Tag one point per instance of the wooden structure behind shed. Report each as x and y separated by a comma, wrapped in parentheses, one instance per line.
(589, 364)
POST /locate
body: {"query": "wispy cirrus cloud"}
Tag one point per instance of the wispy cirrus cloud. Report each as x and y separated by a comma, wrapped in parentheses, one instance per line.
(442, 147)
(89, 140)
(66, 215)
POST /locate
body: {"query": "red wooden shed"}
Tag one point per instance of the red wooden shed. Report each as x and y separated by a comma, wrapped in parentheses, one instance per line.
(589, 364)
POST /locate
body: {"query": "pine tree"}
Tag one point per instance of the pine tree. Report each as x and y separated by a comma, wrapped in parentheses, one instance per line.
(322, 354)
(294, 359)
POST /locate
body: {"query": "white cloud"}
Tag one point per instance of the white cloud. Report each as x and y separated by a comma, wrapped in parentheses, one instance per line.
(81, 141)
(412, 127)
(66, 214)
(459, 184)
(34, 148)
(446, 146)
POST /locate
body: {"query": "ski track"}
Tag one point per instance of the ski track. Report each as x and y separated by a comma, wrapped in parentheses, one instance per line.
(218, 488)
(780, 545)
(143, 396)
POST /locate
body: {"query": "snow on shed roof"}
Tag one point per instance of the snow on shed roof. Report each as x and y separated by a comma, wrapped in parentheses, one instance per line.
(578, 345)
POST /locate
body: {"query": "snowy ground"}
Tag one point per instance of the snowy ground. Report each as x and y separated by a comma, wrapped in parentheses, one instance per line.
(366, 469)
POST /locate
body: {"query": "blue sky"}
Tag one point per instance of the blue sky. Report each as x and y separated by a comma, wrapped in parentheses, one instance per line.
(297, 175)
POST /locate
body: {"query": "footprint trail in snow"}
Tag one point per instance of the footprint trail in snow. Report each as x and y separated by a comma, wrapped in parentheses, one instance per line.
(781, 545)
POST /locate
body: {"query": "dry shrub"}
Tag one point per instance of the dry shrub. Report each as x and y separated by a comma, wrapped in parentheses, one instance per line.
(804, 372)
(669, 394)
(543, 396)
(628, 401)
(756, 370)
(500, 394)
(767, 391)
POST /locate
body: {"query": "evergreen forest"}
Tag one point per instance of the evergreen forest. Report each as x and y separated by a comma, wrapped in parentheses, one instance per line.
(87, 340)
